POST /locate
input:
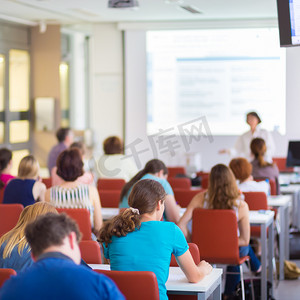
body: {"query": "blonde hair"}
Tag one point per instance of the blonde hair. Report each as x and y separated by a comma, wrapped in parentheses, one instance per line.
(28, 167)
(16, 236)
(222, 189)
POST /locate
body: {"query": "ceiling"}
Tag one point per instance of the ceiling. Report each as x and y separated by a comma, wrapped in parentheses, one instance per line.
(91, 11)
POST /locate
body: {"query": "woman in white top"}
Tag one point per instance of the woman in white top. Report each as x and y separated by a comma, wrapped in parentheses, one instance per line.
(223, 193)
(114, 164)
(242, 145)
(242, 171)
(71, 193)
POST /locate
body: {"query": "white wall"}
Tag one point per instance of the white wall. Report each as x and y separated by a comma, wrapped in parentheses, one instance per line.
(107, 93)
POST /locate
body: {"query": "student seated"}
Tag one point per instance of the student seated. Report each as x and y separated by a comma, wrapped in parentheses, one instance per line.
(54, 239)
(5, 167)
(223, 193)
(27, 188)
(156, 170)
(71, 193)
(260, 167)
(242, 171)
(136, 239)
(14, 249)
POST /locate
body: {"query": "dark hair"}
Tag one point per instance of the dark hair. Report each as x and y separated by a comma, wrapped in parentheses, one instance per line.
(69, 164)
(79, 146)
(241, 168)
(113, 145)
(144, 196)
(258, 148)
(49, 230)
(152, 166)
(254, 114)
(5, 158)
(62, 133)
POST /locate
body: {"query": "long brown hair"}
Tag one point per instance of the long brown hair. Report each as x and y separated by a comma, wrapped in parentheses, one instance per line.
(222, 188)
(258, 148)
(144, 197)
(16, 236)
(152, 166)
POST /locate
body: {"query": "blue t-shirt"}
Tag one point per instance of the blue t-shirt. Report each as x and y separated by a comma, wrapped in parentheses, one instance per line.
(166, 185)
(148, 249)
(15, 260)
(19, 191)
(57, 278)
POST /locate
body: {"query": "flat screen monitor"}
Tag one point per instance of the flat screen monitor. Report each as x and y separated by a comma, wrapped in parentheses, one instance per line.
(293, 156)
(289, 22)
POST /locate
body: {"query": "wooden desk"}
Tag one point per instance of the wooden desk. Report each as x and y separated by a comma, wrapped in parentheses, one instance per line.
(282, 203)
(265, 221)
(178, 284)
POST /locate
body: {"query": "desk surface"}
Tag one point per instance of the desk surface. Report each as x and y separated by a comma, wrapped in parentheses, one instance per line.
(261, 217)
(178, 282)
(280, 200)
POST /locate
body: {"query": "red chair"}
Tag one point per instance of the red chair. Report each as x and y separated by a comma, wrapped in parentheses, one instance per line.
(180, 183)
(9, 216)
(47, 182)
(204, 179)
(281, 164)
(90, 252)
(184, 196)
(173, 171)
(1, 195)
(82, 218)
(6, 274)
(194, 252)
(110, 184)
(110, 198)
(215, 233)
(272, 182)
(134, 285)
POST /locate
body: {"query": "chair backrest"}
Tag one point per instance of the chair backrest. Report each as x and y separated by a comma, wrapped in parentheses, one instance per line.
(47, 182)
(194, 252)
(281, 164)
(90, 252)
(173, 171)
(135, 285)
(9, 216)
(110, 198)
(215, 233)
(180, 183)
(256, 200)
(272, 182)
(5, 274)
(1, 195)
(110, 184)
(184, 196)
(204, 179)
(82, 217)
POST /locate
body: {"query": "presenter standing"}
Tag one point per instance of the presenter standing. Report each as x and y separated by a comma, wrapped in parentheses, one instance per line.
(242, 145)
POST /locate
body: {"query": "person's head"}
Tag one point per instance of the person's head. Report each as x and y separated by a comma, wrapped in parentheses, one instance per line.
(241, 168)
(253, 119)
(69, 164)
(54, 232)
(65, 135)
(258, 148)
(113, 145)
(80, 146)
(29, 167)
(5, 158)
(154, 166)
(147, 197)
(222, 188)
(16, 236)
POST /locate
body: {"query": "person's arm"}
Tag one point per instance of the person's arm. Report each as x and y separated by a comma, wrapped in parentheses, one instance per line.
(95, 199)
(38, 191)
(244, 224)
(47, 195)
(171, 209)
(193, 272)
(196, 202)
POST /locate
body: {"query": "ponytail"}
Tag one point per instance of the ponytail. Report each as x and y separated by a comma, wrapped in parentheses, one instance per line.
(127, 221)
(258, 148)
